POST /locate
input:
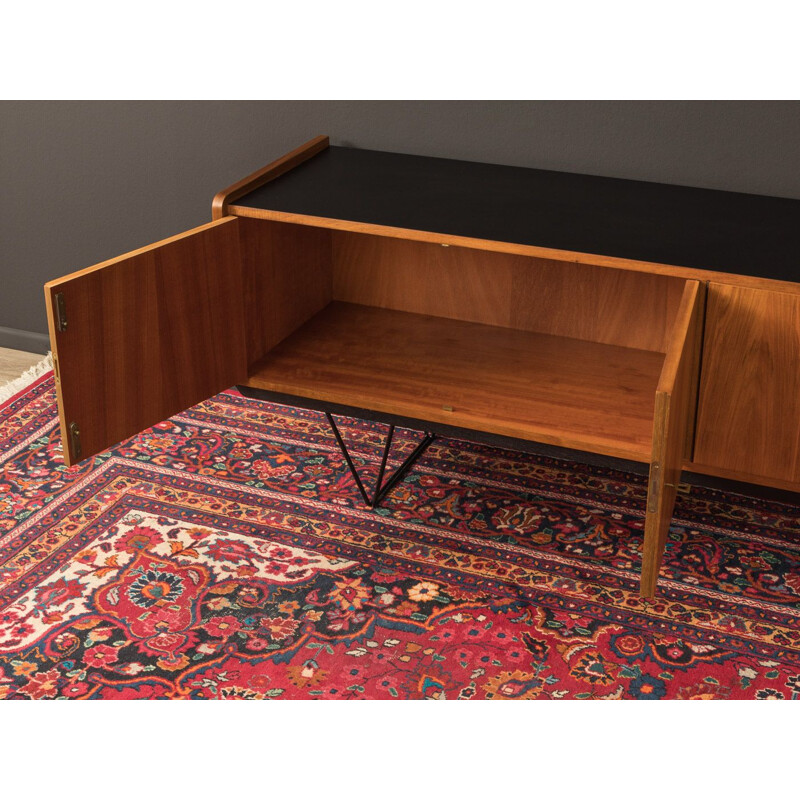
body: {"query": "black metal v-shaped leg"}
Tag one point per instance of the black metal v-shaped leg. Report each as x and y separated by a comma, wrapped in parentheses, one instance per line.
(381, 489)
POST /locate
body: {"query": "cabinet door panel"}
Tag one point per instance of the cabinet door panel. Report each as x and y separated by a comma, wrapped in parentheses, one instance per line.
(673, 420)
(749, 414)
(143, 336)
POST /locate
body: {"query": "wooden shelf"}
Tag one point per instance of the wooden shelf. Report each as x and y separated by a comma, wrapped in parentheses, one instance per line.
(552, 389)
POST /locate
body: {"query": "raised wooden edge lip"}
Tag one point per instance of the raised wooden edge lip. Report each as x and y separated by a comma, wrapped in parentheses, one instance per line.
(219, 206)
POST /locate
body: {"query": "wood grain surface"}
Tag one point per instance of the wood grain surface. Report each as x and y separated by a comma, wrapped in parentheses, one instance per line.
(273, 170)
(675, 403)
(749, 415)
(14, 362)
(550, 389)
(287, 279)
(611, 306)
(148, 334)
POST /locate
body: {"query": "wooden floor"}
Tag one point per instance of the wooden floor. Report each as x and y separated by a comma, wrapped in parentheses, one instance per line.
(552, 389)
(14, 362)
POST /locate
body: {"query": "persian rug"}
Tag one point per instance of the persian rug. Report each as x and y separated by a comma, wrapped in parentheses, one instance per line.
(225, 553)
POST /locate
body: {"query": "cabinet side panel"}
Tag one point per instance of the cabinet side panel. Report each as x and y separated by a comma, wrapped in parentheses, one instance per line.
(144, 336)
(749, 413)
(287, 279)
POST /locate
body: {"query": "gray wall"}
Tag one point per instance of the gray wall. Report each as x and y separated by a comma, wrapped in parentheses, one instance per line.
(85, 181)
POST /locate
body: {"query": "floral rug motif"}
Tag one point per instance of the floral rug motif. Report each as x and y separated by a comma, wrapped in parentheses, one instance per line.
(225, 553)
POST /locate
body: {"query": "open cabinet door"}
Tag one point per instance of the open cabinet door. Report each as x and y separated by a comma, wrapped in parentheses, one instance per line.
(673, 428)
(146, 335)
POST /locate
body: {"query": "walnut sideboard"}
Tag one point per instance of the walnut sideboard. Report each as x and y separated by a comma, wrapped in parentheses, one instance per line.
(654, 323)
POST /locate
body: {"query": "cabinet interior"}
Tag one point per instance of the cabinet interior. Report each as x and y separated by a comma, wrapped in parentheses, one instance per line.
(554, 351)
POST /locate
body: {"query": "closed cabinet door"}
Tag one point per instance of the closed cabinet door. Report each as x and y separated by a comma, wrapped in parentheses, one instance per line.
(749, 408)
(141, 337)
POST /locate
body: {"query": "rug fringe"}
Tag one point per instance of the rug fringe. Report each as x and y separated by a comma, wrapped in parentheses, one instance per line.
(8, 390)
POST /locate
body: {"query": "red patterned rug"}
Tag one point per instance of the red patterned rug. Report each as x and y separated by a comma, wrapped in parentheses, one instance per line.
(225, 553)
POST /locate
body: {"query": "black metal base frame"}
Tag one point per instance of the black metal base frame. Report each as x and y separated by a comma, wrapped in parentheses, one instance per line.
(510, 443)
(381, 488)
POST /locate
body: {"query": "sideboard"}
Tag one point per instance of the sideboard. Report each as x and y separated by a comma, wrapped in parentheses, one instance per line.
(654, 323)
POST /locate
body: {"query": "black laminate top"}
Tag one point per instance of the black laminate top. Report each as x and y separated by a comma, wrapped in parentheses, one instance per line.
(744, 234)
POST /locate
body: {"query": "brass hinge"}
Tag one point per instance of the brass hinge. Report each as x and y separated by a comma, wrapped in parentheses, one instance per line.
(654, 487)
(75, 441)
(61, 312)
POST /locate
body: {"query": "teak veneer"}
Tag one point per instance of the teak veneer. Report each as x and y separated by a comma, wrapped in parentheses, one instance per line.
(563, 309)
(551, 389)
